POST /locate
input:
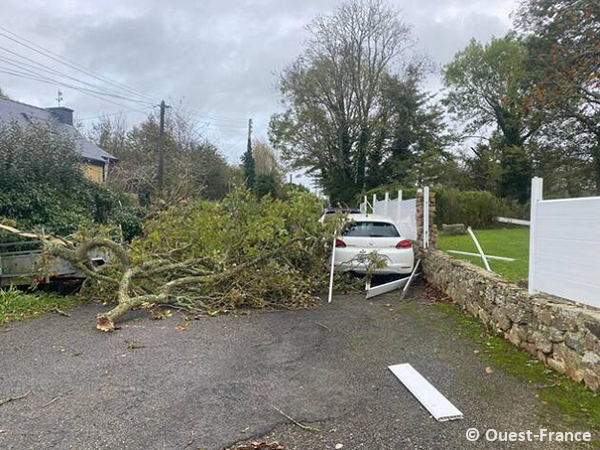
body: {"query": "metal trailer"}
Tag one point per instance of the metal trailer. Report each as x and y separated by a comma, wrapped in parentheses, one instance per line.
(19, 262)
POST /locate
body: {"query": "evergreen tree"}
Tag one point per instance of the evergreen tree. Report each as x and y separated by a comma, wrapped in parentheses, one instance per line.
(249, 167)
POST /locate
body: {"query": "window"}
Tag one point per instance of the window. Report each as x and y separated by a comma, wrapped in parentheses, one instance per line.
(370, 229)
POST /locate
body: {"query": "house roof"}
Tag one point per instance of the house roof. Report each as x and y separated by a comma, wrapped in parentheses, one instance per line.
(24, 115)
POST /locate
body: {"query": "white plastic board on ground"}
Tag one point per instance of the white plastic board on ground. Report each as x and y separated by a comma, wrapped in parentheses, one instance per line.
(385, 288)
(438, 405)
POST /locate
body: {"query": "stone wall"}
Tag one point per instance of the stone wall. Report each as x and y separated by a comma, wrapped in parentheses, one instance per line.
(562, 334)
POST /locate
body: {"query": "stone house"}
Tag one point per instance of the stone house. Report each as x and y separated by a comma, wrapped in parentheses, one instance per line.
(95, 161)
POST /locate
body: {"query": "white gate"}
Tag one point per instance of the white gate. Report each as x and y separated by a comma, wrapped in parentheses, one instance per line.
(564, 246)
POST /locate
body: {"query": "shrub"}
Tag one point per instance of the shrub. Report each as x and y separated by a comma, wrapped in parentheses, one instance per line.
(42, 185)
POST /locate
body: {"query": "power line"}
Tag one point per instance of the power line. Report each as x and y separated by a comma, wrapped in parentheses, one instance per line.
(118, 113)
(62, 60)
(39, 66)
(234, 144)
(49, 82)
(43, 79)
(97, 91)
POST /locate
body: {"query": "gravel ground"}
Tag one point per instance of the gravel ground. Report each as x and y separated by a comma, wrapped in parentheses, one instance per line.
(152, 386)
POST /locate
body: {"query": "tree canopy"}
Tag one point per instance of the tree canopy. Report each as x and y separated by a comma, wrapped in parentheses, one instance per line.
(193, 165)
(332, 94)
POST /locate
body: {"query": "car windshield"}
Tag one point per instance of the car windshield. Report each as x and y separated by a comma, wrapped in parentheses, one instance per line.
(370, 229)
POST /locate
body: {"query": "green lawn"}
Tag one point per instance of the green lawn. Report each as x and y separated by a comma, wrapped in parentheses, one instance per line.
(508, 242)
(16, 305)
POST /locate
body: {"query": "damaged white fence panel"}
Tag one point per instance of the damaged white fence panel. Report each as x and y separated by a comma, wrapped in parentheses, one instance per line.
(385, 288)
(499, 258)
(438, 405)
(480, 250)
(413, 274)
(525, 223)
(329, 297)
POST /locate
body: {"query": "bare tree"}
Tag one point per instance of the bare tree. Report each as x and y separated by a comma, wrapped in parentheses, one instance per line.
(332, 92)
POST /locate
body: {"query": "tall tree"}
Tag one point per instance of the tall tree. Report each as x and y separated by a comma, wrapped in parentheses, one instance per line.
(565, 53)
(416, 138)
(489, 86)
(331, 92)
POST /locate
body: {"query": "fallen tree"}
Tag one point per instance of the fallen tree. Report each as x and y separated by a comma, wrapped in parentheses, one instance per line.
(208, 257)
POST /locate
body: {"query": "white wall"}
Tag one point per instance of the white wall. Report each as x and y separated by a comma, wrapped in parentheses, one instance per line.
(565, 247)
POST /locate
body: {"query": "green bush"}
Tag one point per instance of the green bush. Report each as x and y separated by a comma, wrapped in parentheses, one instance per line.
(473, 208)
(42, 185)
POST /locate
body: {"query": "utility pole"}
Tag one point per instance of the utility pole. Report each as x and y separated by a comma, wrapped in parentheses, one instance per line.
(161, 145)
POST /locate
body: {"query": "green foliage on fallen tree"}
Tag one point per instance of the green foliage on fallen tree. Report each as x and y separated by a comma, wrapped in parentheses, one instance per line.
(214, 257)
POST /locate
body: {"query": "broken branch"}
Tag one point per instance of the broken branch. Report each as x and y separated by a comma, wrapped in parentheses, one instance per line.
(304, 427)
(12, 399)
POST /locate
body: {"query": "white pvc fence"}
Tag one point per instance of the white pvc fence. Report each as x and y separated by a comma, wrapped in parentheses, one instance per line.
(402, 212)
(564, 246)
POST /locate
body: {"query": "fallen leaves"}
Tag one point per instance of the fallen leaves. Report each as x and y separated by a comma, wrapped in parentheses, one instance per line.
(182, 326)
(158, 314)
(133, 346)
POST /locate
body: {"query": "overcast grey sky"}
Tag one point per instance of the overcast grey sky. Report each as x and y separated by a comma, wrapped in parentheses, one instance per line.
(218, 56)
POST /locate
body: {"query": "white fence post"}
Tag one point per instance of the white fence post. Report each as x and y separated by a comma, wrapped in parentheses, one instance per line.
(399, 213)
(426, 217)
(537, 189)
(374, 201)
(387, 200)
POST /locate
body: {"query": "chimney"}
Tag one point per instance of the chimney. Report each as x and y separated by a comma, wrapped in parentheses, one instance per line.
(64, 115)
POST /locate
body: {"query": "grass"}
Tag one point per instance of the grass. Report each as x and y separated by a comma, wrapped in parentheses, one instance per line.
(568, 405)
(16, 305)
(508, 242)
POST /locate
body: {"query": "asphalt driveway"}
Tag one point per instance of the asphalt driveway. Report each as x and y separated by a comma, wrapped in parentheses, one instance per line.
(152, 386)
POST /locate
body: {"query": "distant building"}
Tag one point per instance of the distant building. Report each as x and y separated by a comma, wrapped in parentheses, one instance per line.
(96, 161)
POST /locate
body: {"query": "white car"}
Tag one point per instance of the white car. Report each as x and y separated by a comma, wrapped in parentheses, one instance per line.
(368, 232)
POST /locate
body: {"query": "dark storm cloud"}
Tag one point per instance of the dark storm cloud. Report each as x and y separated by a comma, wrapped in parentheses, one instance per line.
(220, 57)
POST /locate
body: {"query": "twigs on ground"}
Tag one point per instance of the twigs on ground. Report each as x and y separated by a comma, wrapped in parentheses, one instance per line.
(323, 326)
(191, 441)
(51, 401)
(13, 399)
(259, 446)
(294, 421)
(60, 312)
